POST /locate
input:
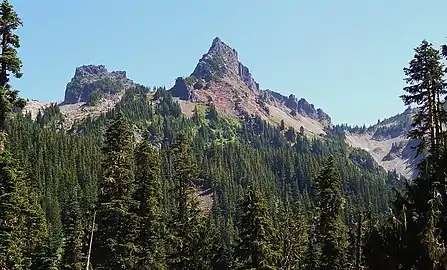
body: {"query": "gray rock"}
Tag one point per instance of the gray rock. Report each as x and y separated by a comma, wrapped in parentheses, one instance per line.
(181, 89)
(90, 78)
(222, 61)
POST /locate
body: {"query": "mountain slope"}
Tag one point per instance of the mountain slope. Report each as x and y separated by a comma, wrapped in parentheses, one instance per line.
(221, 79)
(387, 142)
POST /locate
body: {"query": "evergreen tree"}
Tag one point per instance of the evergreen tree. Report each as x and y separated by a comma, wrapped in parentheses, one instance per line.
(426, 87)
(23, 232)
(73, 258)
(188, 237)
(212, 113)
(294, 238)
(148, 194)
(10, 64)
(423, 237)
(115, 240)
(256, 248)
(331, 229)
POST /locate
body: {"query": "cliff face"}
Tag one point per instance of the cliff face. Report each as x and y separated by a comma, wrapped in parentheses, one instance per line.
(90, 78)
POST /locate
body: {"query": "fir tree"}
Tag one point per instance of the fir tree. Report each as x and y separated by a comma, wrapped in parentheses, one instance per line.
(426, 87)
(331, 229)
(255, 249)
(23, 232)
(10, 64)
(115, 240)
(148, 194)
(212, 113)
(294, 238)
(423, 237)
(188, 237)
(73, 258)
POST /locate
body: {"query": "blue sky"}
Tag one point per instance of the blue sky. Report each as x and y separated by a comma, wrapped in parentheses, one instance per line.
(344, 56)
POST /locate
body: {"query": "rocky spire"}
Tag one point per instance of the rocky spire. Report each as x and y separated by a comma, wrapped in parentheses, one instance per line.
(222, 61)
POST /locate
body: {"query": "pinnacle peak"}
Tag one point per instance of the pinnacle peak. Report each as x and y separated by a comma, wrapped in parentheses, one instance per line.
(217, 40)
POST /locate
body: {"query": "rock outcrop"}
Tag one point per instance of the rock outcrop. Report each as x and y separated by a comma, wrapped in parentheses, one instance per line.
(90, 78)
(220, 78)
(222, 61)
(181, 89)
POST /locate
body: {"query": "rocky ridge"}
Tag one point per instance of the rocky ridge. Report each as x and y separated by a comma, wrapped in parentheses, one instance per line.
(388, 144)
(220, 78)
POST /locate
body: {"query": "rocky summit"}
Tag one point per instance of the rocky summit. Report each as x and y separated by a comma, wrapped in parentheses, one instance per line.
(94, 78)
(220, 78)
(222, 61)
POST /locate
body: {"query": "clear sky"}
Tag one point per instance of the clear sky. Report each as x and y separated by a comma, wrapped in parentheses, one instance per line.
(344, 56)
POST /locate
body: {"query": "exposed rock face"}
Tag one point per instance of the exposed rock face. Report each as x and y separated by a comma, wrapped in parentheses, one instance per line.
(222, 61)
(181, 89)
(222, 79)
(387, 142)
(90, 78)
(302, 107)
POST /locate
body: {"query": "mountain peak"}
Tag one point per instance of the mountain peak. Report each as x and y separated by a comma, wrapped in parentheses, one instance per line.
(90, 78)
(222, 62)
(220, 48)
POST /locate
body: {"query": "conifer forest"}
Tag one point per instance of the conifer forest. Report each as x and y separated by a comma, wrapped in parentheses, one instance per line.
(145, 186)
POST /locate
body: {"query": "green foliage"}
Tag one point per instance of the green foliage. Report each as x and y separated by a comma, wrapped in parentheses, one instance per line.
(331, 228)
(94, 98)
(255, 249)
(114, 245)
(294, 237)
(23, 231)
(148, 193)
(73, 257)
(188, 234)
(10, 64)
(190, 80)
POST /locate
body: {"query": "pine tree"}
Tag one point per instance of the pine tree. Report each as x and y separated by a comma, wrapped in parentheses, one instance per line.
(331, 229)
(115, 240)
(73, 258)
(188, 233)
(423, 237)
(255, 249)
(23, 231)
(148, 194)
(294, 238)
(426, 87)
(212, 113)
(10, 64)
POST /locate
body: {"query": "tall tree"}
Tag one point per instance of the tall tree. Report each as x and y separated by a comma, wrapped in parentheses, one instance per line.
(188, 233)
(115, 240)
(10, 64)
(426, 87)
(148, 194)
(73, 258)
(23, 231)
(331, 229)
(423, 197)
(255, 249)
(294, 237)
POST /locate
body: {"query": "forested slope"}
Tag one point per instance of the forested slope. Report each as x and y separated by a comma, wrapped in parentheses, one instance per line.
(230, 155)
